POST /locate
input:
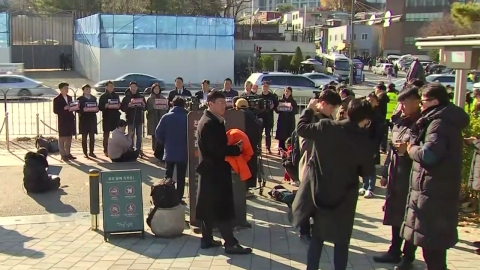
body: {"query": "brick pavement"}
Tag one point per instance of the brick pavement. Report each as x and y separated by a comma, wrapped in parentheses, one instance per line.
(67, 243)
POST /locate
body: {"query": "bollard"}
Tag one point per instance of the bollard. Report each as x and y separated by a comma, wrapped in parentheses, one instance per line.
(38, 125)
(7, 131)
(94, 182)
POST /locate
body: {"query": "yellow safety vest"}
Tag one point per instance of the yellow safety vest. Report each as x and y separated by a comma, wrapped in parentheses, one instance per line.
(392, 104)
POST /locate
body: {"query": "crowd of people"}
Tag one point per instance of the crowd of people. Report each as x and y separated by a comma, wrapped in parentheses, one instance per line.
(422, 171)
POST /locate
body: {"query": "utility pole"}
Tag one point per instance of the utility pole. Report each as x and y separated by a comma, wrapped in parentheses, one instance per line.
(351, 40)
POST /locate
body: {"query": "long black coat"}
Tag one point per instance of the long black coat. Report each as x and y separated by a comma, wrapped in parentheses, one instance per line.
(332, 178)
(66, 119)
(110, 117)
(134, 115)
(286, 120)
(431, 216)
(397, 170)
(87, 121)
(215, 188)
(252, 129)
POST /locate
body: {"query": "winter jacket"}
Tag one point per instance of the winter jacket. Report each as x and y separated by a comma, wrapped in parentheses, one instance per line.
(172, 132)
(239, 163)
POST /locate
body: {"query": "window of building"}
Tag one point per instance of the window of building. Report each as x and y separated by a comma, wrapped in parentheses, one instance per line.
(354, 36)
(410, 40)
(341, 37)
(364, 36)
(423, 17)
(427, 3)
(330, 38)
(335, 37)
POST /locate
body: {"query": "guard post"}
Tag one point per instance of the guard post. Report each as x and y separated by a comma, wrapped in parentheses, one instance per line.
(94, 182)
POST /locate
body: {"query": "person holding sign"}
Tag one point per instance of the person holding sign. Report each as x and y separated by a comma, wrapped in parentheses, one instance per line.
(287, 109)
(87, 124)
(157, 106)
(134, 105)
(63, 107)
(109, 104)
(215, 189)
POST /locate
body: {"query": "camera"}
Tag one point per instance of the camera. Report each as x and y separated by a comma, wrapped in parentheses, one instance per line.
(258, 104)
(317, 94)
(193, 104)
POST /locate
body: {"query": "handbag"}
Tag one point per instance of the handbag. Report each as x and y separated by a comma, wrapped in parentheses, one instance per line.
(51, 144)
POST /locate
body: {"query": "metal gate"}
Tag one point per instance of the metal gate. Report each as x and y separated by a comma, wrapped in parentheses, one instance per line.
(38, 40)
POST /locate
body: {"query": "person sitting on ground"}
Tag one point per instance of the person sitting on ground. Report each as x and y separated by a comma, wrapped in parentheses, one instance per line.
(120, 145)
(35, 176)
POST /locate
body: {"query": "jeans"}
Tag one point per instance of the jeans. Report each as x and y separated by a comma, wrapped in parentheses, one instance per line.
(268, 136)
(138, 135)
(181, 172)
(226, 231)
(340, 255)
(396, 246)
(369, 183)
(435, 258)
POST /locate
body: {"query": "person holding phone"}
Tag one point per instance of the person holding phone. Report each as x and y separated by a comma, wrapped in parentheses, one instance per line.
(396, 178)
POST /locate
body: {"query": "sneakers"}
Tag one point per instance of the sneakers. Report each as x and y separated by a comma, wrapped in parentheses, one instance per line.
(361, 192)
(368, 194)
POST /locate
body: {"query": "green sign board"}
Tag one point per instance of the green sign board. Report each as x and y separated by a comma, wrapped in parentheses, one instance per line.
(122, 202)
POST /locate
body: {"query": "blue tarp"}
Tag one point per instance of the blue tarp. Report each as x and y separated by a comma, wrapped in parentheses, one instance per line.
(155, 32)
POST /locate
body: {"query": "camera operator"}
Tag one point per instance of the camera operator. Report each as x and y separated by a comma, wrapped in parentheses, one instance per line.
(253, 130)
(271, 103)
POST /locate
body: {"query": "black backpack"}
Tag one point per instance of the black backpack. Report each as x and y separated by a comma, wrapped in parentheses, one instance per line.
(164, 195)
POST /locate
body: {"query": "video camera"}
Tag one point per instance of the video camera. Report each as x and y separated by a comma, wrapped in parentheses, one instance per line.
(317, 94)
(257, 103)
(192, 104)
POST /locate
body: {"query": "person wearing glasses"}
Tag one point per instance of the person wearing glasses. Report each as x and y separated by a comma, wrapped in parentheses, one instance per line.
(436, 144)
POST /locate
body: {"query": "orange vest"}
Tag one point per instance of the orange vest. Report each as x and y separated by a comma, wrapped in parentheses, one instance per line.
(239, 163)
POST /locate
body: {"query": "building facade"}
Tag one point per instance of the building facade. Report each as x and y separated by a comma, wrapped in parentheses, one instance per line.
(399, 38)
(366, 39)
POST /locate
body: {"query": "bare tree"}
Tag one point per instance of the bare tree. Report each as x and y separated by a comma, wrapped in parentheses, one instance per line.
(444, 27)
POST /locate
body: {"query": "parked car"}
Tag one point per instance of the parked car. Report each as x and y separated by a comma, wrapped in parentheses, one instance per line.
(21, 86)
(302, 86)
(436, 68)
(320, 78)
(381, 68)
(122, 83)
(447, 79)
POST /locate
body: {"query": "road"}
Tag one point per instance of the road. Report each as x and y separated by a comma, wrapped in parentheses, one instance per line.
(23, 113)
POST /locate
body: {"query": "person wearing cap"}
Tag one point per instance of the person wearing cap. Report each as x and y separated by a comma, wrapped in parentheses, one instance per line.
(179, 90)
(134, 106)
(202, 95)
(87, 120)
(253, 130)
(267, 114)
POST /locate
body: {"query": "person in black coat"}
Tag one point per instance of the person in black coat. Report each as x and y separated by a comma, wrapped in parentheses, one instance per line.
(35, 176)
(202, 95)
(329, 185)
(134, 106)
(253, 130)
(267, 114)
(215, 191)
(109, 104)
(179, 90)
(87, 122)
(63, 107)
(287, 109)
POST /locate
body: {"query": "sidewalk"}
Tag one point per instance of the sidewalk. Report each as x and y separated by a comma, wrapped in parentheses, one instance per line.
(67, 243)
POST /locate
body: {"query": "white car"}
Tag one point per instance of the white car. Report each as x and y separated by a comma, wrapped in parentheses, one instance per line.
(381, 68)
(320, 78)
(302, 86)
(21, 86)
(448, 79)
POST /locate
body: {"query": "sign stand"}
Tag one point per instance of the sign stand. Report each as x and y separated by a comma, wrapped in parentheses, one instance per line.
(122, 203)
(233, 119)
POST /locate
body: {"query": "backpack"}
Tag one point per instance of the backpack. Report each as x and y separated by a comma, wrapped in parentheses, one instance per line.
(280, 194)
(51, 144)
(295, 154)
(164, 195)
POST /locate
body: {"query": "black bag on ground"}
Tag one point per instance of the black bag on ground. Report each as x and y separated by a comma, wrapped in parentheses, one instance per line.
(51, 144)
(164, 195)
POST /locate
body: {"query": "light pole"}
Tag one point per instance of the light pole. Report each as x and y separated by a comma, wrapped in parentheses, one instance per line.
(351, 40)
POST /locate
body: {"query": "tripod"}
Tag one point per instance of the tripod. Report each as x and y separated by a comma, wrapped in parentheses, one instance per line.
(260, 173)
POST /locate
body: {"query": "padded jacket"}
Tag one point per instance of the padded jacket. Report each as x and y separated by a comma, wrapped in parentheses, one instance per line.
(239, 163)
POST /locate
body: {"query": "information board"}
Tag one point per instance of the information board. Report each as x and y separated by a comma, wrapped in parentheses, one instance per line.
(122, 202)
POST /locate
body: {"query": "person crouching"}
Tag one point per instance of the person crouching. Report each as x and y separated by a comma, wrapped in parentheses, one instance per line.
(120, 145)
(35, 176)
